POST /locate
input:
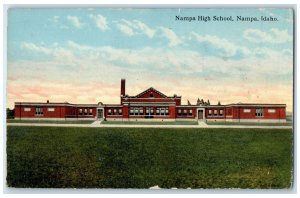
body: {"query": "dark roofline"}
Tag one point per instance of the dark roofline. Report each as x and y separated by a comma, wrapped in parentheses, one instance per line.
(53, 103)
(252, 104)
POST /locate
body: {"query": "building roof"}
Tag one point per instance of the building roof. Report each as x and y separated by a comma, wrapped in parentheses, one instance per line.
(153, 90)
(54, 104)
(254, 104)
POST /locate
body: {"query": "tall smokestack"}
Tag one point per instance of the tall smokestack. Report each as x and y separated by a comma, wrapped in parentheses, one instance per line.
(122, 87)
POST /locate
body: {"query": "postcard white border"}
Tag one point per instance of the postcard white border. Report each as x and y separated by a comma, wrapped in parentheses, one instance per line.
(157, 3)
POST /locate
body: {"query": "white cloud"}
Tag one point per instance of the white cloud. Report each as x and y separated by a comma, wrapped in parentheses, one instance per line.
(75, 21)
(35, 48)
(244, 80)
(54, 19)
(228, 48)
(273, 36)
(100, 22)
(171, 36)
(134, 27)
(144, 28)
(126, 29)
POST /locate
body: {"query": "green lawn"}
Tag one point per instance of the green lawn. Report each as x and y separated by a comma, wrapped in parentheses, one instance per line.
(289, 118)
(151, 122)
(141, 158)
(249, 123)
(51, 121)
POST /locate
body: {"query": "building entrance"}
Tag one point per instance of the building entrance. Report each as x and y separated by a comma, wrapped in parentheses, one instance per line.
(99, 113)
(149, 112)
(200, 114)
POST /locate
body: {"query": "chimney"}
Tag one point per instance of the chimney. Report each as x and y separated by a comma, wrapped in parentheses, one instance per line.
(47, 101)
(122, 87)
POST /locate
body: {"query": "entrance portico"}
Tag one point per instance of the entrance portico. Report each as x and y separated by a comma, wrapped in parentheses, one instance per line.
(100, 113)
(201, 114)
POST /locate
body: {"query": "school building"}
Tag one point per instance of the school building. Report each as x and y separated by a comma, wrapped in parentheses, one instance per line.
(151, 105)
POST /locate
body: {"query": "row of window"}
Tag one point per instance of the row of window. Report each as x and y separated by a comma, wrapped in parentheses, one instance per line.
(184, 112)
(114, 111)
(85, 111)
(260, 110)
(162, 111)
(215, 112)
(39, 110)
(150, 111)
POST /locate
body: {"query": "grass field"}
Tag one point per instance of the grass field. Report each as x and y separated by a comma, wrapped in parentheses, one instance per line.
(151, 122)
(51, 121)
(141, 158)
(250, 123)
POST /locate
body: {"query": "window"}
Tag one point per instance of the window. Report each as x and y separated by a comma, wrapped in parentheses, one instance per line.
(215, 112)
(91, 111)
(85, 111)
(136, 111)
(80, 111)
(179, 112)
(271, 110)
(51, 109)
(162, 111)
(247, 110)
(191, 112)
(149, 111)
(115, 111)
(120, 111)
(185, 112)
(39, 111)
(131, 111)
(151, 95)
(209, 112)
(157, 111)
(27, 109)
(141, 111)
(109, 111)
(259, 112)
(221, 112)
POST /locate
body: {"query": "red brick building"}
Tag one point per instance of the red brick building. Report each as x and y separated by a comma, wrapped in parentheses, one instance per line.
(151, 104)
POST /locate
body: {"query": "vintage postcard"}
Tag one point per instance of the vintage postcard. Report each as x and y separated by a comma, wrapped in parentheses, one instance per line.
(144, 98)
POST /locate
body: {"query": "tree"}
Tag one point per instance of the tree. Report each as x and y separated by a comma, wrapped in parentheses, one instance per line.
(10, 114)
(188, 102)
(202, 101)
(219, 103)
(198, 102)
(208, 103)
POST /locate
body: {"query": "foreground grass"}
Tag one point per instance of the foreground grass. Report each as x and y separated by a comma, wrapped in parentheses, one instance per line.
(151, 122)
(249, 123)
(51, 121)
(141, 158)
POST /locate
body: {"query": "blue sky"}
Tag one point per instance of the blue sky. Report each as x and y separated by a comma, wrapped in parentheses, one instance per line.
(80, 55)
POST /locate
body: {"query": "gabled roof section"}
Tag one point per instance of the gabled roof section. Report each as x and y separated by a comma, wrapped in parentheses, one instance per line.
(151, 89)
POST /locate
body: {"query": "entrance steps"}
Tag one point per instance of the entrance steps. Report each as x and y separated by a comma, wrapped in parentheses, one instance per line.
(97, 122)
(202, 123)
